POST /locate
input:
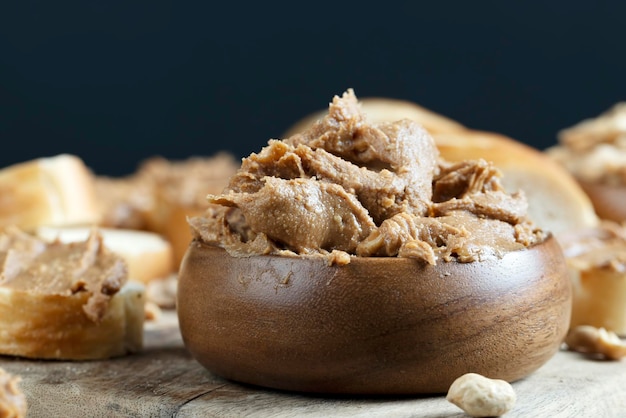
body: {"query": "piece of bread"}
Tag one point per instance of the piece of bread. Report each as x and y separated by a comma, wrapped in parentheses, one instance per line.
(180, 189)
(594, 152)
(172, 224)
(599, 299)
(55, 327)
(12, 400)
(381, 109)
(56, 191)
(161, 194)
(66, 301)
(147, 254)
(596, 259)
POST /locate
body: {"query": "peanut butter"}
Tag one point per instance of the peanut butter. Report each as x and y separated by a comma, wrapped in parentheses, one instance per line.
(29, 264)
(127, 201)
(594, 150)
(601, 247)
(188, 181)
(345, 186)
(124, 201)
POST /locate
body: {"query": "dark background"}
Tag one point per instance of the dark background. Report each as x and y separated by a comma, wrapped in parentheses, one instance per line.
(117, 82)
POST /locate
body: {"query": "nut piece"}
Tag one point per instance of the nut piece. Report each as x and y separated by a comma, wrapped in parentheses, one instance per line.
(480, 396)
(591, 340)
(12, 400)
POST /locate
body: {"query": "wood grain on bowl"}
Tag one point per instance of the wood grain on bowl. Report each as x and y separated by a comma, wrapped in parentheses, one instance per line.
(375, 325)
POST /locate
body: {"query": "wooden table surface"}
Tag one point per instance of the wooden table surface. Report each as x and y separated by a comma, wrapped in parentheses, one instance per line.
(164, 381)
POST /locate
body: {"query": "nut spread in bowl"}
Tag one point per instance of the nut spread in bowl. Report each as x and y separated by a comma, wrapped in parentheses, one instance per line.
(350, 258)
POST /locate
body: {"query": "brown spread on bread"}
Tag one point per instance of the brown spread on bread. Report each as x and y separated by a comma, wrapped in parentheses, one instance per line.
(596, 258)
(188, 181)
(130, 201)
(601, 247)
(123, 201)
(12, 399)
(594, 150)
(29, 264)
(345, 185)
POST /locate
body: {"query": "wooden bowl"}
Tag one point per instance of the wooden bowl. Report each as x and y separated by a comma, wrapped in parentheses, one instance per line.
(609, 201)
(375, 325)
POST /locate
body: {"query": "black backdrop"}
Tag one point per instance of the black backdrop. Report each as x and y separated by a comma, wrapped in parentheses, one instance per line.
(116, 82)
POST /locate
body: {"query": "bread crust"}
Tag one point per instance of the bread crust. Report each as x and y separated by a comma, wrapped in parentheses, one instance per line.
(55, 190)
(52, 326)
(599, 299)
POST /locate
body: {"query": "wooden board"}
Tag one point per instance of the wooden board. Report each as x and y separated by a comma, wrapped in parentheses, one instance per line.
(164, 381)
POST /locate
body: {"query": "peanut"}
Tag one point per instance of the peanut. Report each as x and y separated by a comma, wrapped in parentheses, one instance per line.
(480, 396)
(596, 341)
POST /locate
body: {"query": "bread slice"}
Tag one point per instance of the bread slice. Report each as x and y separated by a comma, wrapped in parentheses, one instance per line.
(593, 151)
(55, 326)
(180, 190)
(148, 255)
(596, 259)
(599, 299)
(173, 225)
(66, 301)
(55, 190)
